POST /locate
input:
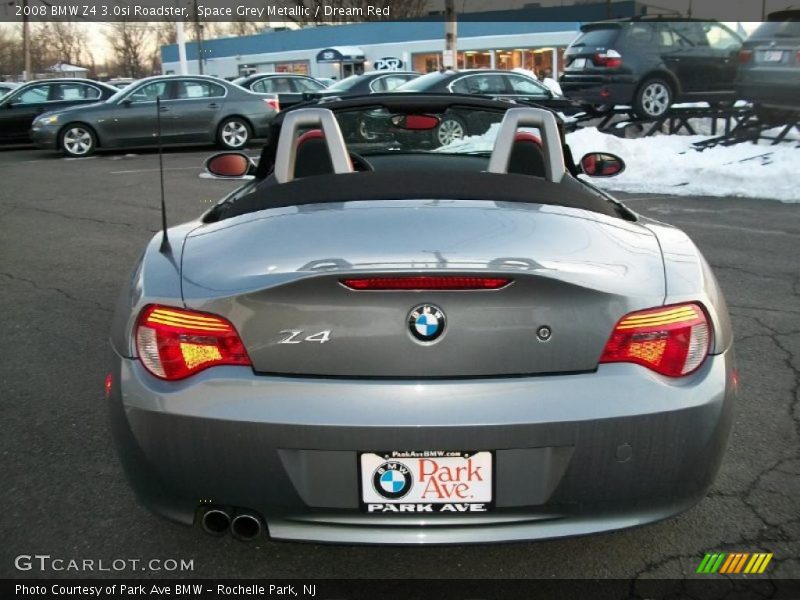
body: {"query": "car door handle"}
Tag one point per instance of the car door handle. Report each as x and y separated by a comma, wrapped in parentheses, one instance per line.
(164, 109)
(213, 105)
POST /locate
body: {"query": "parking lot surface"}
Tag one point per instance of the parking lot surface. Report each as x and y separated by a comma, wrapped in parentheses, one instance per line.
(70, 231)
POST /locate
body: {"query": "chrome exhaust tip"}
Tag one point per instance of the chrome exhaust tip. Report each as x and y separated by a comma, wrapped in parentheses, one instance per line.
(216, 521)
(246, 527)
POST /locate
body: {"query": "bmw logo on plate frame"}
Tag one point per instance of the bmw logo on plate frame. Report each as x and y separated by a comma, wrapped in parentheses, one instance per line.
(426, 323)
(392, 480)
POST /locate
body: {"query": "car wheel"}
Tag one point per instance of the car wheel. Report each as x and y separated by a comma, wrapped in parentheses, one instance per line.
(78, 140)
(234, 133)
(365, 133)
(653, 99)
(450, 130)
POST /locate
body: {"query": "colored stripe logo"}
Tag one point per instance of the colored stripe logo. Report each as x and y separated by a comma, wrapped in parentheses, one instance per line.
(735, 562)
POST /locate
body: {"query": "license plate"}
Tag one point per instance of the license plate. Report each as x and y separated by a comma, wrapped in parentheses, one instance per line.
(773, 56)
(426, 482)
(578, 63)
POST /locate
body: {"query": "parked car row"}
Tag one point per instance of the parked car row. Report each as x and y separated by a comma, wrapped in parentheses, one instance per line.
(77, 116)
(652, 63)
(645, 62)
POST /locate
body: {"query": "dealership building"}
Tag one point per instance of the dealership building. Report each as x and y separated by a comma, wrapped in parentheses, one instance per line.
(530, 38)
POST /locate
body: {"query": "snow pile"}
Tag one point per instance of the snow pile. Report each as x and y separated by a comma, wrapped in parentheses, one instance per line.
(669, 165)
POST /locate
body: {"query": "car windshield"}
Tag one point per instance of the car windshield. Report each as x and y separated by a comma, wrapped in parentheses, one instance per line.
(456, 130)
(423, 83)
(346, 83)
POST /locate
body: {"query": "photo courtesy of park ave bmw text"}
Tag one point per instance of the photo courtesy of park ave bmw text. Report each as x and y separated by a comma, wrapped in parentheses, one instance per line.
(433, 299)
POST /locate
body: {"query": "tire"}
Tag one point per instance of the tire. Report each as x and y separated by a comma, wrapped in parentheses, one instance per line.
(234, 133)
(451, 129)
(363, 134)
(653, 98)
(77, 140)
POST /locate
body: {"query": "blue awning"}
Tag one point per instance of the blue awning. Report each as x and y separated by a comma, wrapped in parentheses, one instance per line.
(338, 54)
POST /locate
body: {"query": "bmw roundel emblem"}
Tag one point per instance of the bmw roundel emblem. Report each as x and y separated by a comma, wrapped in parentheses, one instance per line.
(392, 480)
(426, 322)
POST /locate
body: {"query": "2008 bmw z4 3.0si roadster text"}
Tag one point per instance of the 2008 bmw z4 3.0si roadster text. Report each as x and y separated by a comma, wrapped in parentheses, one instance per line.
(399, 341)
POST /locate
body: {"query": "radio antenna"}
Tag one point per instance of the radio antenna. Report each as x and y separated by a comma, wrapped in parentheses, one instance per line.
(165, 247)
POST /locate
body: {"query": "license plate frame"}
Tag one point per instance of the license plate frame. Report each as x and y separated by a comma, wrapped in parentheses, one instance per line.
(772, 56)
(421, 497)
(577, 65)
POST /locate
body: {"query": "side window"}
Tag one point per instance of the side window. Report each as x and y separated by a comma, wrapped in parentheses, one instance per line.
(187, 90)
(260, 86)
(486, 84)
(460, 86)
(149, 92)
(667, 39)
(34, 95)
(307, 85)
(282, 85)
(720, 38)
(523, 85)
(640, 34)
(378, 84)
(75, 91)
(393, 81)
(689, 34)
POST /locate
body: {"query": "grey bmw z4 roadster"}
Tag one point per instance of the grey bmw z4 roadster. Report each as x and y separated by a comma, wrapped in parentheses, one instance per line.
(398, 341)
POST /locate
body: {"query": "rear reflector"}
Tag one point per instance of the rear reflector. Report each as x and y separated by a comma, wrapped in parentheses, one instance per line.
(427, 283)
(671, 340)
(745, 56)
(174, 343)
(273, 103)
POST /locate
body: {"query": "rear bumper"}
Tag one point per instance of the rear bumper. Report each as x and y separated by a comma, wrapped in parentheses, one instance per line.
(784, 95)
(574, 454)
(598, 89)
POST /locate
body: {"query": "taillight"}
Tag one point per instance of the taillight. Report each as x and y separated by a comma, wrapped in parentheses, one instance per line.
(671, 340)
(610, 58)
(427, 283)
(174, 343)
(273, 103)
(745, 56)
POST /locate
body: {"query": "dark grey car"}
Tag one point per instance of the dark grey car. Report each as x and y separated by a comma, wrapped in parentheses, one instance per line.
(769, 69)
(193, 110)
(24, 104)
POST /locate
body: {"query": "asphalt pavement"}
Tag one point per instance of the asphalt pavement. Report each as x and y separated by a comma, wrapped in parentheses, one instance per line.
(70, 230)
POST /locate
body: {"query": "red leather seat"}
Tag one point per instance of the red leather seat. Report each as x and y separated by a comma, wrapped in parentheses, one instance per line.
(527, 156)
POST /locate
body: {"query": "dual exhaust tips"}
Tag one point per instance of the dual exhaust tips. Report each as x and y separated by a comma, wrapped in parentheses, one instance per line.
(244, 525)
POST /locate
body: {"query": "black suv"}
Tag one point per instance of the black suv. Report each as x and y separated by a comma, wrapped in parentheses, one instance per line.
(651, 63)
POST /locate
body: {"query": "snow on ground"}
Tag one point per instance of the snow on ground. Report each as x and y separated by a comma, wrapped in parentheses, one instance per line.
(667, 164)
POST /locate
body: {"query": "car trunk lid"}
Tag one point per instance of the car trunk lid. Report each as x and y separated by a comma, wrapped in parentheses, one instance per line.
(278, 276)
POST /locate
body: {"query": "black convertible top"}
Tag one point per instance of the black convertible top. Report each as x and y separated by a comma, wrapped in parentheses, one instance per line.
(401, 185)
(413, 184)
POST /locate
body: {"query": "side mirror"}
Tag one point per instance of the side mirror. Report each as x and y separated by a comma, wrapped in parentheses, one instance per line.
(602, 164)
(229, 165)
